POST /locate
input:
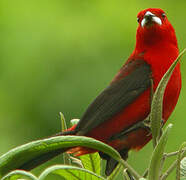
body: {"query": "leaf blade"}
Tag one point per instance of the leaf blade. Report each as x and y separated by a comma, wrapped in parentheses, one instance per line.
(17, 174)
(70, 172)
(92, 162)
(116, 172)
(17, 157)
(183, 168)
(155, 163)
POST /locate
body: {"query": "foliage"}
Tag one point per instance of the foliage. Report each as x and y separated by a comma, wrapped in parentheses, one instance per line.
(92, 163)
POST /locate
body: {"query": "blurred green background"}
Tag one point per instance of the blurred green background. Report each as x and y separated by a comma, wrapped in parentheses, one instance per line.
(56, 56)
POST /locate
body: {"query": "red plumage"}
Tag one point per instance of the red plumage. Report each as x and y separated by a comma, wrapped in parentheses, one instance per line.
(157, 46)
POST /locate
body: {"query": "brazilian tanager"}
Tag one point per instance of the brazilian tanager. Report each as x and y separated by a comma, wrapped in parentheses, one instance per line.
(127, 99)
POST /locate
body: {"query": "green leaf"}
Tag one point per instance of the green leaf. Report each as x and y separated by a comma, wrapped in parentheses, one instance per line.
(116, 172)
(66, 157)
(156, 106)
(21, 155)
(183, 168)
(70, 172)
(19, 174)
(155, 163)
(179, 160)
(92, 162)
(63, 122)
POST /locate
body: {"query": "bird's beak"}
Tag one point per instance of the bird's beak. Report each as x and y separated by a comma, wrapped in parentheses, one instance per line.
(149, 19)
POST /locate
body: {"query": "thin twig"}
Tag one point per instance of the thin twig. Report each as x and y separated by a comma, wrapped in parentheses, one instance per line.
(173, 153)
(171, 168)
(130, 169)
(162, 164)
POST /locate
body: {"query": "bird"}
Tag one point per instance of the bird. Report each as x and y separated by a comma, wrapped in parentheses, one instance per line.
(114, 114)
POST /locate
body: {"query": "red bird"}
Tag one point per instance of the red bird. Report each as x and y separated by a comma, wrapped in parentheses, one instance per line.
(126, 101)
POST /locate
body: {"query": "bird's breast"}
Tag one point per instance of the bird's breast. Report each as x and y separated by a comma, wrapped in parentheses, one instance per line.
(160, 59)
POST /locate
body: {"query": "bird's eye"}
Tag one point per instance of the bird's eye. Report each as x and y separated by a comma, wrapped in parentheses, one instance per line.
(138, 19)
(163, 15)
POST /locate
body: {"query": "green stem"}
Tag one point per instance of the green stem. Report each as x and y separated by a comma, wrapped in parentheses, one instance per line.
(162, 163)
(171, 168)
(130, 169)
(173, 153)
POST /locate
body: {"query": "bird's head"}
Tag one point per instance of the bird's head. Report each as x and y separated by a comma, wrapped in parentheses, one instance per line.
(154, 27)
(152, 17)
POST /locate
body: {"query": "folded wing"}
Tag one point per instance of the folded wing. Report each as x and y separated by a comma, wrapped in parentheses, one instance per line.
(132, 80)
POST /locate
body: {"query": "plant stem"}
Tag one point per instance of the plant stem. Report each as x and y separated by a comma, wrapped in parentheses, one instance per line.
(162, 163)
(171, 168)
(130, 169)
(173, 153)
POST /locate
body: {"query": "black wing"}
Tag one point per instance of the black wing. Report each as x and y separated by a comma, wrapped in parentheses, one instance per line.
(116, 96)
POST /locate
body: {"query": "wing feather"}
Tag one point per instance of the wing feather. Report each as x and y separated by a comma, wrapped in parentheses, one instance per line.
(118, 95)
